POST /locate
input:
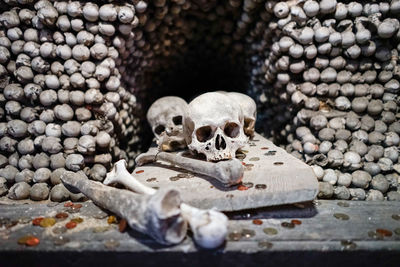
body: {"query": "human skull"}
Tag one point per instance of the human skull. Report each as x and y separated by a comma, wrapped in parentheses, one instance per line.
(165, 117)
(214, 126)
(249, 110)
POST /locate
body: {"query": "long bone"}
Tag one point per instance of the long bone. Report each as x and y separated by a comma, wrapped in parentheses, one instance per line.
(209, 227)
(157, 215)
(229, 172)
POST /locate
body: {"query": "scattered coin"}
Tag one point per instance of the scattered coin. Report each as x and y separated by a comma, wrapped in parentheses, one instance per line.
(60, 240)
(375, 235)
(70, 225)
(111, 244)
(260, 186)
(296, 222)
(47, 222)
(174, 178)
(257, 222)
(341, 216)
(235, 236)
(247, 233)
(265, 244)
(242, 187)
(111, 219)
(122, 225)
(248, 184)
(59, 230)
(37, 221)
(343, 204)
(101, 229)
(348, 244)
(270, 231)
(396, 217)
(77, 220)
(288, 225)
(61, 216)
(384, 232)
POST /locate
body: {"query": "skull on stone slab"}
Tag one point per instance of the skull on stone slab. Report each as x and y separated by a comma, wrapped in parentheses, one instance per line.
(165, 117)
(249, 109)
(213, 126)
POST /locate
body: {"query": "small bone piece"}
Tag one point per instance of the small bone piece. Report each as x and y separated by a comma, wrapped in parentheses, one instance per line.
(158, 215)
(228, 172)
(208, 226)
(165, 117)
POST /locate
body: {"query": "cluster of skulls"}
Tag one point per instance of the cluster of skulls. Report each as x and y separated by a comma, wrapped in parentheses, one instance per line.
(215, 124)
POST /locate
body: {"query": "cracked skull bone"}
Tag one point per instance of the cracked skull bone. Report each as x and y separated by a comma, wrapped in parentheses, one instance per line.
(214, 126)
(165, 117)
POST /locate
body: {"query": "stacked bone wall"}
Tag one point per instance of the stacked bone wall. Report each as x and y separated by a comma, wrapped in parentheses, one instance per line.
(77, 76)
(64, 102)
(332, 93)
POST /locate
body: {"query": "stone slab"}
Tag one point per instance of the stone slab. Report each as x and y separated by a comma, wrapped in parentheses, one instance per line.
(320, 239)
(272, 176)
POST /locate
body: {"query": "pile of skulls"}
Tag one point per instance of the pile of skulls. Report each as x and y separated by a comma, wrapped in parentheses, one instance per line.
(205, 128)
(64, 104)
(324, 74)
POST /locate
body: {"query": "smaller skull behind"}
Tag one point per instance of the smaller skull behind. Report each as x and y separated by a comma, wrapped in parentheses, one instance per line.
(249, 109)
(165, 117)
(214, 126)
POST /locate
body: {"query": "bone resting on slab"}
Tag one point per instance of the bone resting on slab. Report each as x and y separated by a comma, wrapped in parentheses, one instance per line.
(209, 227)
(271, 177)
(229, 172)
(158, 215)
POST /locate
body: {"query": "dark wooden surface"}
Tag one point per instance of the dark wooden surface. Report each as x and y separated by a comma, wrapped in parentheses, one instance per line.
(320, 239)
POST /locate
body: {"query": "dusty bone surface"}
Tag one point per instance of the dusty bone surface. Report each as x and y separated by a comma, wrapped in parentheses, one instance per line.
(271, 177)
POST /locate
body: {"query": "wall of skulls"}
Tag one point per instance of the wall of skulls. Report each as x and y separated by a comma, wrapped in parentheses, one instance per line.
(75, 77)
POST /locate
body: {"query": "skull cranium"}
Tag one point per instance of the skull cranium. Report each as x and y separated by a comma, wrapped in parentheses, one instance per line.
(214, 126)
(165, 117)
(249, 110)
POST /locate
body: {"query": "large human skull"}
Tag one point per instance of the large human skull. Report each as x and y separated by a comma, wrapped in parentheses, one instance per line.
(214, 126)
(165, 117)
(249, 109)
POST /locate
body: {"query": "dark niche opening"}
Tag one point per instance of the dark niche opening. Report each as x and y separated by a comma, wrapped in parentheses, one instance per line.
(198, 70)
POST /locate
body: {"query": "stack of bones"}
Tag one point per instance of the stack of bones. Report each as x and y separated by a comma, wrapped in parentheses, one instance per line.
(325, 76)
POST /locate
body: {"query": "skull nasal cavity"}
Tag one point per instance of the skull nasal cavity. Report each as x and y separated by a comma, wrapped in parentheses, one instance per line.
(204, 133)
(232, 129)
(220, 142)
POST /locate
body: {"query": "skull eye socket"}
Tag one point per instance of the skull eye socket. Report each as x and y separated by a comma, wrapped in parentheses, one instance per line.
(204, 133)
(232, 129)
(177, 120)
(248, 123)
(159, 129)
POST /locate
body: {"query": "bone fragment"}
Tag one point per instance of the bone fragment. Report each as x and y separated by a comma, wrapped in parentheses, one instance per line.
(158, 215)
(208, 226)
(229, 172)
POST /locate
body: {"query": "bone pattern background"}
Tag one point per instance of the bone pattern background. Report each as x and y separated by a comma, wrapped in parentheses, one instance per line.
(324, 76)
